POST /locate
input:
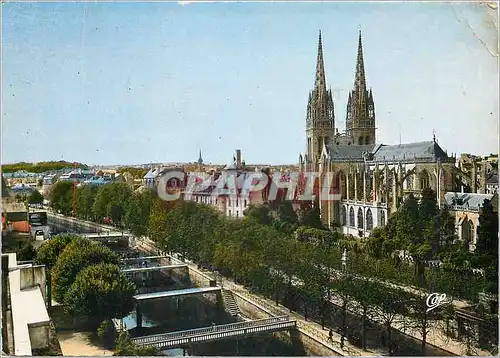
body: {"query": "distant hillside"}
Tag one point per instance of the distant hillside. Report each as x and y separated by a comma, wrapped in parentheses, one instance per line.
(40, 167)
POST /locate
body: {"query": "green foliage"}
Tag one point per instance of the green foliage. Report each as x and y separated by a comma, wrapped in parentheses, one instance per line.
(5, 190)
(85, 197)
(317, 235)
(112, 200)
(48, 253)
(260, 213)
(106, 333)
(35, 197)
(139, 211)
(137, 173)
(79, 254)
(125, 347)
(100, 292)
(26, 252)
(486, 253)
(310, 216)
(61, 196)
(40, 167)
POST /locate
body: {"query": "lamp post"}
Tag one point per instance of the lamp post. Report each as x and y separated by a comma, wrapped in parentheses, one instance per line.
(344, 261)
(344, 272)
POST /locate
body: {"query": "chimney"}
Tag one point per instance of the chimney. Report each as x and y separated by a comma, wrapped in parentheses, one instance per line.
(238, 158)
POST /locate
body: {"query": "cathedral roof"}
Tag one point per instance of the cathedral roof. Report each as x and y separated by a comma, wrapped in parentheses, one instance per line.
(349, 152)
(429, 151)
(410, 151)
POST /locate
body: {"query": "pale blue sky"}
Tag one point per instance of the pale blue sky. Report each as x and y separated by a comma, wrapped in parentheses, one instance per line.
(125, 83)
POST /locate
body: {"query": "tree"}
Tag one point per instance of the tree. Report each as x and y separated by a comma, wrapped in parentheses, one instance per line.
(78, 254)
(138, 212)
(260, 213)
(84, 201)
(48, 253)
(100, 292)
(26, 252)
(421, 319)
(311, 216)
(486, 253)
(125, 347)
(35, 197)
(61, 196)
(391, 304)
(5, 189)
(364, 292)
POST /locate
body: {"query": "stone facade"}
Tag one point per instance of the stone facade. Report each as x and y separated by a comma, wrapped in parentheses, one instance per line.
(371, 178)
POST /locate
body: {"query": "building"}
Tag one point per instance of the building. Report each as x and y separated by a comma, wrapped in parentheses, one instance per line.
(25, 287)
(48, 182)
(371, 178)
(465, 208)
(230, 205)
(492, 183)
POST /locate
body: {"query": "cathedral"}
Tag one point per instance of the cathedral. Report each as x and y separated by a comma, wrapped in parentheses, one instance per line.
(372, 178)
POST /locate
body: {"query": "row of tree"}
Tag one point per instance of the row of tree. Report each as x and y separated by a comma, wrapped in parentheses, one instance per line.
(419, 229)
(291, 258)
(40, 167)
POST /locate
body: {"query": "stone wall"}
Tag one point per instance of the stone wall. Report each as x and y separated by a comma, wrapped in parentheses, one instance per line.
(34, 276)
(39, 335)
(299, 338)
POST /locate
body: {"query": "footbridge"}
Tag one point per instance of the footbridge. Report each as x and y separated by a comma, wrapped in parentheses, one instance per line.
(105, 236)
(216, 333)
(153, 268)
(177, 293)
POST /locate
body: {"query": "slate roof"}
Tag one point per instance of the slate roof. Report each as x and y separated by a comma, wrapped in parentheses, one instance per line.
(469, 201)
(493, 179)
(344, 152)
(429, 151)
(410, 151)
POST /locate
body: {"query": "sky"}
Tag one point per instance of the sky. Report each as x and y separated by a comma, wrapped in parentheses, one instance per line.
(130, 83)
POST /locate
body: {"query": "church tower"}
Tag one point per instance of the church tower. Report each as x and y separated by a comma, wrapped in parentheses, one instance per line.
(320, 117)
(360, 120)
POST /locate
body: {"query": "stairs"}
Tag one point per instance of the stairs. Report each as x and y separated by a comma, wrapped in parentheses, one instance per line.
(230, 303)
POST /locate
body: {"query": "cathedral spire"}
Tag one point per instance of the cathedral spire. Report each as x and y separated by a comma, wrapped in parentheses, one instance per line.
(360, 80)
(320, 81)
(320, 119)
(200, 159)
(360, 121)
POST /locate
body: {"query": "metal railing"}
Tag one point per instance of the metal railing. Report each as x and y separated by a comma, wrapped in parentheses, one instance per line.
(210, 331)
(177, 339)
(153, 268)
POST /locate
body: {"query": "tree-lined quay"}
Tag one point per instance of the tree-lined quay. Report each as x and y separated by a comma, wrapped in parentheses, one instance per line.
(274, 244)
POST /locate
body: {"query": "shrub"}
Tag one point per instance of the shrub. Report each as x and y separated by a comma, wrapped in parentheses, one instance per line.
(78, 255)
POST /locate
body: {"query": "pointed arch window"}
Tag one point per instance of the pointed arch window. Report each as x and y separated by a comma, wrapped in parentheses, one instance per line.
(343, 216)
(424, 180)
(369, 220)
(360, 218)
(351, 217)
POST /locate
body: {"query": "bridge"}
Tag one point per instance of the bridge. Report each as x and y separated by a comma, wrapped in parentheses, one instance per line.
(177, 293)
(104, 236)
(216, 333)
(153, 268)
(145, 258)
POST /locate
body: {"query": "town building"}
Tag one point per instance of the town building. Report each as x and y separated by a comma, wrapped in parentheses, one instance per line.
(465, 207)
(371, 178)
